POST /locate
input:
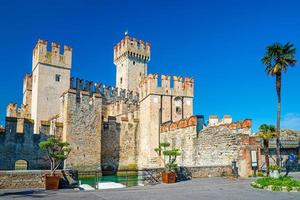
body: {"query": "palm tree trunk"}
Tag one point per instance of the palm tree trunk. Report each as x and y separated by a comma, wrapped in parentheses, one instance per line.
(266, 151)
(278, 90)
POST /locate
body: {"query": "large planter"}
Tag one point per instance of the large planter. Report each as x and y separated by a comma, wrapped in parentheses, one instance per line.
(274, 174)
(51, 182)
(168, 177)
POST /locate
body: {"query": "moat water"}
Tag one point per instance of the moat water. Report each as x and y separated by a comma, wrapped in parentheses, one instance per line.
(92, 180)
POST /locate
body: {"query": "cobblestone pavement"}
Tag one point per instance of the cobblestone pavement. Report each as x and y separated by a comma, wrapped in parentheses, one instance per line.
(205, 188)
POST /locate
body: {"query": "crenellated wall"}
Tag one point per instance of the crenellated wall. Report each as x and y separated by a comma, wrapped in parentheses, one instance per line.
(53, 57)
(132, 47)
(213, 146)
(82, 129)
(181, 87)
(131, 57)
(108, 93)
(18, 142)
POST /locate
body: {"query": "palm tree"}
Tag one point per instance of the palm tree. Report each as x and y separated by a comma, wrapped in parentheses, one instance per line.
(276, 59)
(266, 132)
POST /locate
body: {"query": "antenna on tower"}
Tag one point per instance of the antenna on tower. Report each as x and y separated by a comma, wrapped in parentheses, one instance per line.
(126, 32)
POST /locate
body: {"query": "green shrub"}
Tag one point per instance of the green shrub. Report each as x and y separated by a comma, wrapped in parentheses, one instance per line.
(276, 183)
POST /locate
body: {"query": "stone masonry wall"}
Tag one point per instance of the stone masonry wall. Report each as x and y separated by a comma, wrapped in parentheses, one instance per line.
(118, 144)
(19, 143)
(213, 146)
(18, 179)
(21, 179)
(82, 129)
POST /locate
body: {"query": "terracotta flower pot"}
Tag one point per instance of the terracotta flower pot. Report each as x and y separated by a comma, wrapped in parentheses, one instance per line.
(168, 177)
(51, 182)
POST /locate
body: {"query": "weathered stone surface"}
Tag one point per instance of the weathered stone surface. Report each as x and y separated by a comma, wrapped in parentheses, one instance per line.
(35, 179)
(21, 179)
(23, 145)
(118, 144)
(213, 146)
(82, 129)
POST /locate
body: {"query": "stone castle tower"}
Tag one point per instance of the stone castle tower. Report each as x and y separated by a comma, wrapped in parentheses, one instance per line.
(51, 73)
(131, 57)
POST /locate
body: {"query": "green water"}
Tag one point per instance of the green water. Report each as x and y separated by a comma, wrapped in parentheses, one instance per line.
(129, 181)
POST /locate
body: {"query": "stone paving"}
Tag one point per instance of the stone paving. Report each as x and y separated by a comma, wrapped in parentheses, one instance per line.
(205, 188)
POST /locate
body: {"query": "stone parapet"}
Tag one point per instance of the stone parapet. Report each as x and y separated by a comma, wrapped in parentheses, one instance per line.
(109, 93)
(181, 86)
(53, 57)
(181, 124)
(132, 47)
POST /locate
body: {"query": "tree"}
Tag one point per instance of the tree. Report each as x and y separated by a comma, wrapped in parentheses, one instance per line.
(57, 151)
(171, 155)
(276, 59)
(266, 132)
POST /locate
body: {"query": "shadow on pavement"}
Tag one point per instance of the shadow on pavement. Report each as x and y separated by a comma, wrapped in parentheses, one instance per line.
(26, 193)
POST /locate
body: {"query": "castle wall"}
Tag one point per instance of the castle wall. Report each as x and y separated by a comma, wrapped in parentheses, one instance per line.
(118, 143)
(160, 104)
(148, 137)
(82, 129)
(19, 143)
(214, 146)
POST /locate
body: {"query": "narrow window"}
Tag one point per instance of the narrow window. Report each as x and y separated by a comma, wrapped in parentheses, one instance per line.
(178, 102)
(133, 62)
(57, 77)
(121, 80)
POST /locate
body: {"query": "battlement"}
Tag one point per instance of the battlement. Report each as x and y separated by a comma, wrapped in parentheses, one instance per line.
(181, 86)
(12, 110)
(133, 48)
(108, 93)
(53, 57)
(247, 123)
(192, 121)
(214, 120)
(183, 123)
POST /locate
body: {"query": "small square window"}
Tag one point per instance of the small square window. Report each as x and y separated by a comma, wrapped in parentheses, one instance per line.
(57, 77)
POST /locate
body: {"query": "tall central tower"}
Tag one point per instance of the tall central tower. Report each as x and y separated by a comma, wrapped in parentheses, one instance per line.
(131, 57)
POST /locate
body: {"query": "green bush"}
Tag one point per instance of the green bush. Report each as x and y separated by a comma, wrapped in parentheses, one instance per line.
(276, 183)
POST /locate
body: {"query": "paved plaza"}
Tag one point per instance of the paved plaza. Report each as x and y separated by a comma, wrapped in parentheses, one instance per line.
(205, 188)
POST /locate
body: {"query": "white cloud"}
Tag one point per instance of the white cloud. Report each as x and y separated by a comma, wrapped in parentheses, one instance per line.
(291, 121)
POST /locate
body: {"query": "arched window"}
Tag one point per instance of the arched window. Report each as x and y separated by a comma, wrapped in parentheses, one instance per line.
(21, 165)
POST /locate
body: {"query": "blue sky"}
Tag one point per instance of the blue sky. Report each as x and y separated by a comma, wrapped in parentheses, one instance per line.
(219, 43)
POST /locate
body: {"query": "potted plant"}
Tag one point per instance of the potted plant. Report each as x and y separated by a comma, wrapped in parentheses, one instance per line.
(169, 174)
(275, 170)
(57, 152)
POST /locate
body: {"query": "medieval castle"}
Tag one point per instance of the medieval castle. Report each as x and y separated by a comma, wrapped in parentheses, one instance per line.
(115, 126)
